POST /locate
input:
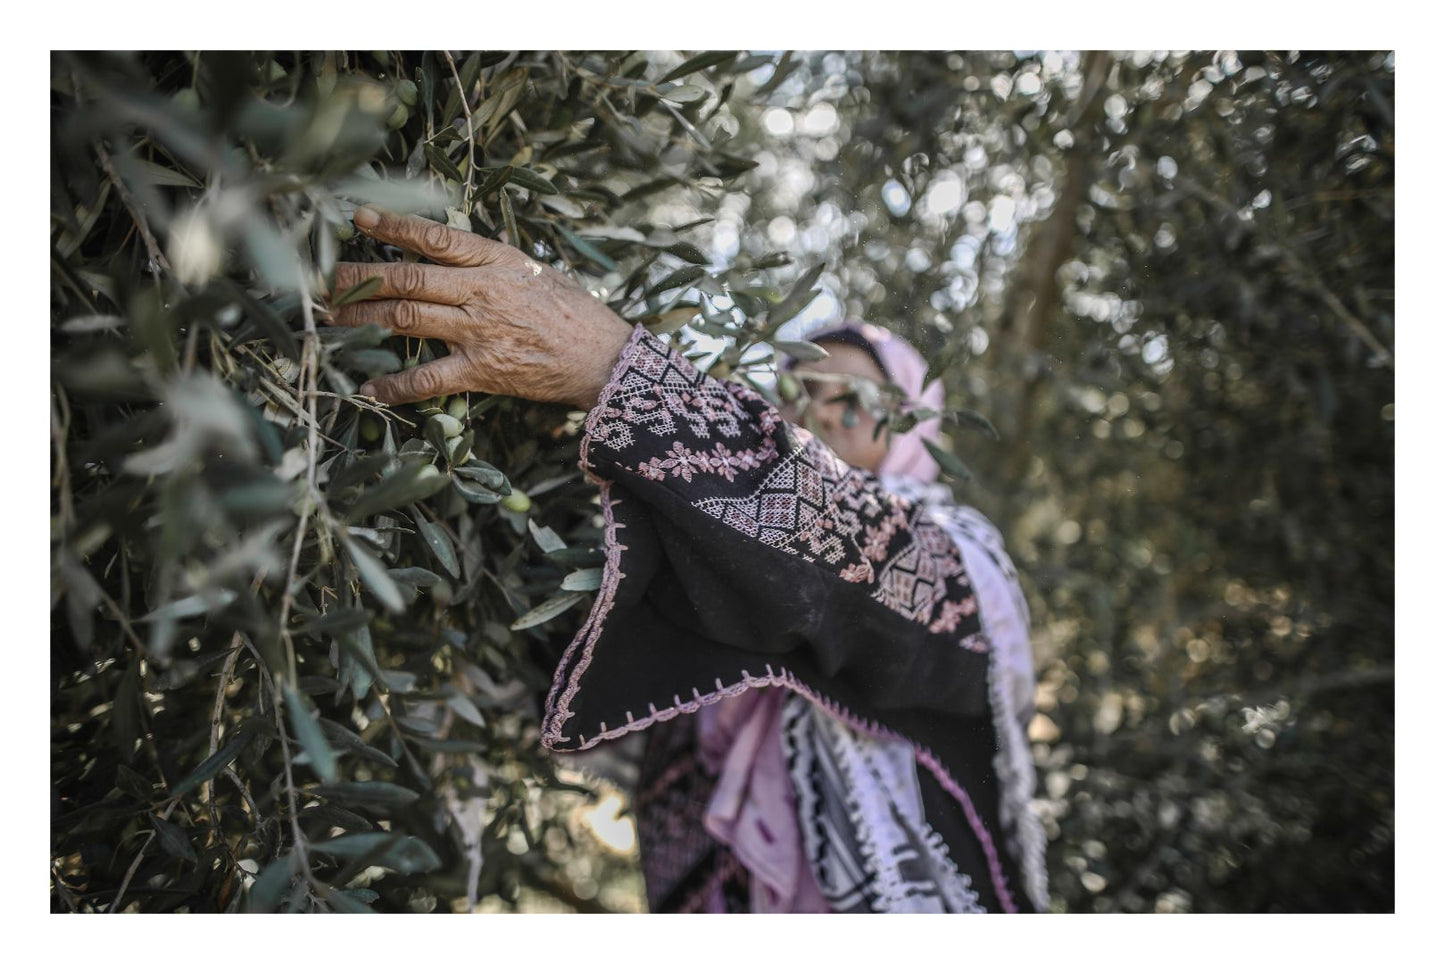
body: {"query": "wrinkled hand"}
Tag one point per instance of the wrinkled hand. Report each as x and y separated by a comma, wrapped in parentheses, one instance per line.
(514, 326)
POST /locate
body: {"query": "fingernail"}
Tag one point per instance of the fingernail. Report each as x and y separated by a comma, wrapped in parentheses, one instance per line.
(365, 218)
(368, 389)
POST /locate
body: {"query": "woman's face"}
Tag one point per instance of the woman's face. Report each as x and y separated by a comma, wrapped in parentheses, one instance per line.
(855, 443)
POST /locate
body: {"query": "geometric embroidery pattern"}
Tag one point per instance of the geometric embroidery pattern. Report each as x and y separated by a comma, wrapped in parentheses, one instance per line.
(710, 440)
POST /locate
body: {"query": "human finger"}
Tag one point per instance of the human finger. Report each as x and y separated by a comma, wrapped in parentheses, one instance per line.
(445, 376)
(404, 279)
(416, 319)
(440, 242)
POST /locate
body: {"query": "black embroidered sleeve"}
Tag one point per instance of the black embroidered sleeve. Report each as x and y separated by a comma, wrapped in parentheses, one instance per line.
(743, 552)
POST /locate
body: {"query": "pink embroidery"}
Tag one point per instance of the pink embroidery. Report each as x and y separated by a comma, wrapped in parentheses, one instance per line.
(949, 615)
(798, 496)
(800, 499)
(682, 461)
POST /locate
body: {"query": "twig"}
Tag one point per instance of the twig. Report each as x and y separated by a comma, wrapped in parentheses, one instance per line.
(306, 395)
(143, 226)
(245, 795)
(298, 838)
(59, 429)
(1337, 306)
(466, 110)
(227, 669)
(135, 864)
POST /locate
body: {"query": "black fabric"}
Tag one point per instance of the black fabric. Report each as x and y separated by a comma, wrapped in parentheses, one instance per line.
(943, 813)
(686, 616)
(682, 863)
(859, 598)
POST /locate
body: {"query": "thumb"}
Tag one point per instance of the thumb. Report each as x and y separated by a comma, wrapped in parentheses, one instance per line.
(445, 376)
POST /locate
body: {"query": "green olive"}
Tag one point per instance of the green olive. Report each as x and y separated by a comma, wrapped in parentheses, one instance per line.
(370, 430)
(187, 98)
(518, 501)
(458, 408)
(398, 117)
(411, 362)
(406, 92)
(451, 428)
(345, 231)
(787, 387)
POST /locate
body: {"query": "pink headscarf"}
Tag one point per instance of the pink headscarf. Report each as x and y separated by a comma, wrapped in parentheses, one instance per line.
(905, 367)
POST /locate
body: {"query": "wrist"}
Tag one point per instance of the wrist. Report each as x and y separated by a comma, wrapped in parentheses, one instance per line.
(601, 359)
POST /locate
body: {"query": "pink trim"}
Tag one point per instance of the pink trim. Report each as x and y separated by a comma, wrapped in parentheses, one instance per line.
(995, 867)
(557, 713)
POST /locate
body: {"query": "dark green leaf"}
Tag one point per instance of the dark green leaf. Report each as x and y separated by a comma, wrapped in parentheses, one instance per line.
(328, 815)
(532, 181)
(576, 556)
(438, 542)
(948, 462)
(339, 619)
(374, 575)
(347, 741)
(407, 855)
(343, 901)
(369, 793)
(495, 178)
(474, 493)
(173, 839)
(805, 351)
(308, 733)
(750, 63)
(976, 420)
(687, 252)
(270, 885)
(373, 361)
(677, 279)
(786, 65)
(549, 609)
(547, 540)
(702, 61)
(442, 164)
(589, 251)
(797, 299)
(484, 473)
(509, 219)
(357, 292)
(408, 484)
(213, 764)
(583, 580)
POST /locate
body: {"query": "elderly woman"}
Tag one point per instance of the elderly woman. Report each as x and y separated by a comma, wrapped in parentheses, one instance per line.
(830, 657)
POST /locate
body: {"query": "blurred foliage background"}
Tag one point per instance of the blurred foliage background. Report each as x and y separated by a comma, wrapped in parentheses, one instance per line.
(300, 643)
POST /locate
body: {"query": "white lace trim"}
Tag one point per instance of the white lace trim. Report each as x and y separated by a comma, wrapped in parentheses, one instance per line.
(886, 809)
(1013, 762)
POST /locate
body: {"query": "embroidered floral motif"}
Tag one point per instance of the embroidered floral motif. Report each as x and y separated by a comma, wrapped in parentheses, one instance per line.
(949, 615)
(797, 496)
(682, 461)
